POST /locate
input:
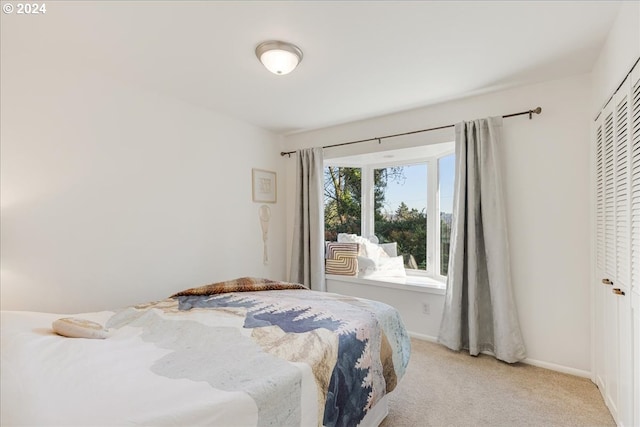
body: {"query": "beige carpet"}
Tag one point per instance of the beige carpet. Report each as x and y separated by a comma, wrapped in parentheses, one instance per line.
(446, 388)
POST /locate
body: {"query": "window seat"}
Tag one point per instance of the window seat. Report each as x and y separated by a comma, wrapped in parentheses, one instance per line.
(409, 283)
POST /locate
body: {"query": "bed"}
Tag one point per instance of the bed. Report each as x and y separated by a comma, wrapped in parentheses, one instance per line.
(248, 352)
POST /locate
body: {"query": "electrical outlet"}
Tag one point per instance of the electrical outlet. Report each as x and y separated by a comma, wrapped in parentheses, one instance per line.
(426, 309)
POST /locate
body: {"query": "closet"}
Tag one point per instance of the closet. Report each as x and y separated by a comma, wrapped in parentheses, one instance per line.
(616, 284)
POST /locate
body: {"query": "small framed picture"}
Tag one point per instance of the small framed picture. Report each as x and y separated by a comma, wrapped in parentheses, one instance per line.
(265, 188)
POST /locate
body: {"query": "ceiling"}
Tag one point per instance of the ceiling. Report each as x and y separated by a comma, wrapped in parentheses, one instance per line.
(361, 58)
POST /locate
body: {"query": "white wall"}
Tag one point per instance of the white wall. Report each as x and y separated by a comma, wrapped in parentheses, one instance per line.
(113, 196)
(408, 301)
(619, 53)
(546, 177)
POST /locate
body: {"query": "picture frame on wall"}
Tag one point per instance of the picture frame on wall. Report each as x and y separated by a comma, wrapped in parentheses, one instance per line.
(264, 186)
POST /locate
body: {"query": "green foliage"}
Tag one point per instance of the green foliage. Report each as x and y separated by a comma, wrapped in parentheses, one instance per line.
(343, 201)
(407, 227)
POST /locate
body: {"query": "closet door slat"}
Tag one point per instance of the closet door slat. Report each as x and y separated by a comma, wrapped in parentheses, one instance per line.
(609, 197)
(621, 178)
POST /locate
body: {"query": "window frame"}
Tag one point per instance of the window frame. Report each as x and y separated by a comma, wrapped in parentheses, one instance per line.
(367, 213)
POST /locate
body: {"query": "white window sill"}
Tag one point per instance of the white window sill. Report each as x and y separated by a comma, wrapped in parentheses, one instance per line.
(409, 283)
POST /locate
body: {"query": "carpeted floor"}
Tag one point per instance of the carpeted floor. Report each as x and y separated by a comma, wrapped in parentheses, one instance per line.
(446, 388)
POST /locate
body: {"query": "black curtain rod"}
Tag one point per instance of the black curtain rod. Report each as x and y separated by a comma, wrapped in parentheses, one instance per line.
(537, 110)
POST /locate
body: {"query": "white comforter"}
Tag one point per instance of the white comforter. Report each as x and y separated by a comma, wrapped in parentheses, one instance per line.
(137, 378)
(50, 380)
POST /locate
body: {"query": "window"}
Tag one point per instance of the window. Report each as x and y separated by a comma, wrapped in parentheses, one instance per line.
(400, 195)
(342, 201)
(408, 201)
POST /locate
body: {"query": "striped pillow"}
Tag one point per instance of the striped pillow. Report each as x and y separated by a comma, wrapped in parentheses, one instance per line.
(342, 259)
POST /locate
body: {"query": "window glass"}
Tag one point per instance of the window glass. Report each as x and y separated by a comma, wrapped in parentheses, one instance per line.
(409, 203)
(400, 197)
(342, 201)
(446, 167)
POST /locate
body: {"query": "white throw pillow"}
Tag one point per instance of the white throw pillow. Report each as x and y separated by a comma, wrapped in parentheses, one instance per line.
(390, 248)
(368, 249)
(384, 267)
(74, 327)
(376, 260)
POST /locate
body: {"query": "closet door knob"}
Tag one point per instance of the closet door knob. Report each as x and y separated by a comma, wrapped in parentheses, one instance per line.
(618, 291)
(607, 282)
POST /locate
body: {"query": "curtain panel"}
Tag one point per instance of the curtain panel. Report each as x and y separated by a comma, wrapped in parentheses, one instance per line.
(307, 255)
(480, 312)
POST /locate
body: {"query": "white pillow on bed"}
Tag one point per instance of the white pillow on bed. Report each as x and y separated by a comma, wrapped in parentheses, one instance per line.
(74, 327)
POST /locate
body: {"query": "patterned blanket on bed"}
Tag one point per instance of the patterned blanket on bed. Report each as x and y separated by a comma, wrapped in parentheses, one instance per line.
(243, 284)
(356, 350)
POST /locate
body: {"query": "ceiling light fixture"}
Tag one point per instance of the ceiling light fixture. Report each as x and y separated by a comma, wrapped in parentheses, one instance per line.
(279, 57)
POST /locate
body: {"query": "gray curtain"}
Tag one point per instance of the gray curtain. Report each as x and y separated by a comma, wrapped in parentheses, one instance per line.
(307, 256)
(479, 311)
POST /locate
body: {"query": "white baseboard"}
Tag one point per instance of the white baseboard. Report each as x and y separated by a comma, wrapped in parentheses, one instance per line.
(422, 337)
(528, 361)
(558, 368)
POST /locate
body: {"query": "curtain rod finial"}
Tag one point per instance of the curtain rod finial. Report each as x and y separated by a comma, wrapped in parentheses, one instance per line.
(538, 110)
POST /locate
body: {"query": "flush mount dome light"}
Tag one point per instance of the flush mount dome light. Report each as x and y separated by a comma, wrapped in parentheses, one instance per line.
(279, 57)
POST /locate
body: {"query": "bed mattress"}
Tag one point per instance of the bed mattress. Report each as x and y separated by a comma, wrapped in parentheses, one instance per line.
(265, 358)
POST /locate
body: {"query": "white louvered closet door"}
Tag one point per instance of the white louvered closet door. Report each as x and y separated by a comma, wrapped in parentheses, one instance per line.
(609, 196)
(621, 178)
(620, 298)
(609, 304)
(606, 366)
(634, 156)
(617, 252)
(599, 357)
